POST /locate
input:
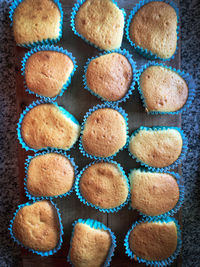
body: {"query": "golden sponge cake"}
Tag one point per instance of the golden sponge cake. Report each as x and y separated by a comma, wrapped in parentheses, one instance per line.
(46, 72)
(153, 193)
(104, 132)
(104, 185)
(154, 27)
(101, 22)
(45, 125)
(48, 175)
(109, 76)
(36, 20)
(37, 227)
(163, 90)
(157, 148)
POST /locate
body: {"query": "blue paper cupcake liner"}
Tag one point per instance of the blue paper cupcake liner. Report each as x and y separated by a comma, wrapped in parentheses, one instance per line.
(125, 53)
(34, 104)
(155, 128)
(97, 225)
(15, 4)
(100, 106)
(82, 199)
(41, 253)
(48, 48)
(161, 263)
(29, 159)
(75, 9)
(186, 76)
(178, 204)
(144, 52)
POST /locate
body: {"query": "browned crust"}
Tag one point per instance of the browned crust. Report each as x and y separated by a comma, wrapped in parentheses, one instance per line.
(89, 246)
(37, 226)
(47, 71)
(153, 28)
(104, 133)
(103, 185)
(153, 241)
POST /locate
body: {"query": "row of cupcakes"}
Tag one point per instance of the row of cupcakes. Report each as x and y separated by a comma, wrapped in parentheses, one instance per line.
(110, 76)
(104, 132)
(37, 226)
(152, 27)
(103, 184)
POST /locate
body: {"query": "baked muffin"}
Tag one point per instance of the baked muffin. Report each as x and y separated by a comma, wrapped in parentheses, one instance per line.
(104, 132)
(154, 28)
(156, 147)
(104, 185)
(50, 174)
(154, 241)
(91, 243)
(46, 72)
(36, 226)
(37, 21)
(109, 76)
(100, 22)
(47, 126)
(153, 193)
(163, 89)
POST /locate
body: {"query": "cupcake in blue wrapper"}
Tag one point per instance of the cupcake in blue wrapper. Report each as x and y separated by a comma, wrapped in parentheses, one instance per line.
(44, 125)
(99, 22)
(104, 131)
(36, 22)
(103, 185)
(111, 76)
(37, 227)
(96, 240)
(155, 242)
(158, 148)
(157, 193)
(165, 90)
(48, 71)
(152, 29)
(49, 175)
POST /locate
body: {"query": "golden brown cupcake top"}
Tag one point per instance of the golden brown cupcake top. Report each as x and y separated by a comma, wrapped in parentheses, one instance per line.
(36, 20)
(46, 126)
(157, 148)
(153, 194)
(89, 246)
(154, 241)
(103, 184)
(37, 226)
(163, 89)
(51, 174)
(101, 22)
(47, 71)
(104, 133)
(153, 27)
(109, 76)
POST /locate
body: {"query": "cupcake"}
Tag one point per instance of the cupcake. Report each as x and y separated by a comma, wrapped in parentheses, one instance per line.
(104, 131)
(154, 242)
(157, 147)
(111, 76)
(37, 226)
(49, 174)
(163, 89)
(152, 29)
(103, 185)
(46, 125)
(92, 244)
(99, 22)
(155, 193)
(48, 70)
(36, 21)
